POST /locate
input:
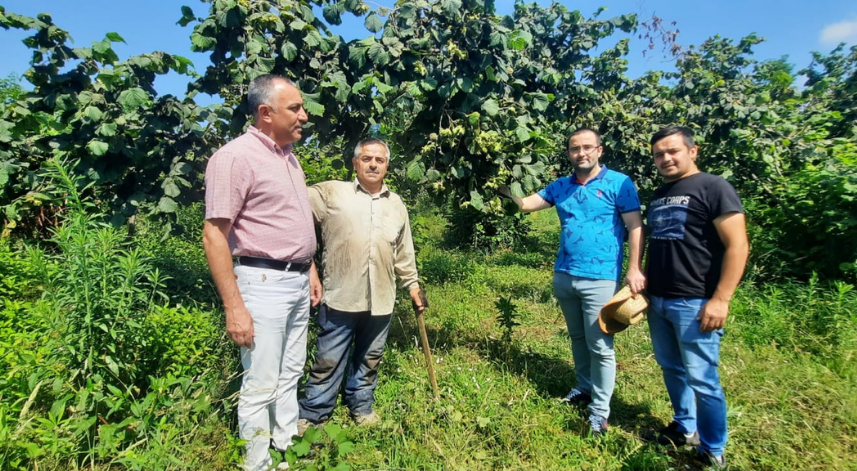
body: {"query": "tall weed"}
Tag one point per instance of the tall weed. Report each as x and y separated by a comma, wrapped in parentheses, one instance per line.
(813, 318)
(102, 370)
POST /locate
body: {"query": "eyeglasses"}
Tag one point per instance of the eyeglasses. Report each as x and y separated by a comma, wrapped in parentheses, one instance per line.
(581, 150)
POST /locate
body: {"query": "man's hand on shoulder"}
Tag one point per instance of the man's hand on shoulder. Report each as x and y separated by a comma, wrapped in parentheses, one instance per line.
(713, 315)
(239, 326)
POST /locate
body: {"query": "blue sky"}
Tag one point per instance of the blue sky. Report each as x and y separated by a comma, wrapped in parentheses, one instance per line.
(791, 27)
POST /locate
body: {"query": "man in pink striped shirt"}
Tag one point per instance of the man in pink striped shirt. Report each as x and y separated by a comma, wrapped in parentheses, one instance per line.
(257, 209)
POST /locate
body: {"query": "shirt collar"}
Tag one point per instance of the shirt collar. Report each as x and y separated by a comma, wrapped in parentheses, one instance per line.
(600, 175)
(384, 190)
(268, 142)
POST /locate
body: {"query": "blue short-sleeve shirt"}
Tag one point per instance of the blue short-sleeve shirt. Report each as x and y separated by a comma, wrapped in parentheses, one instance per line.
(593, 231)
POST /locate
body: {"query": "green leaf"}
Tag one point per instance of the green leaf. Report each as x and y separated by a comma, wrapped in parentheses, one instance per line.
(93, 113)
(289, 51)
(167, 205)
(465, 84)
(373, 23)
(357, 56)
(97, 148)
(379, 55)
(383, 88)
(345, 447)
(451, 7)
(474, 118)
(522, 133)
(313, 39)
(491, 107)
(107, 129)
(476, 200)
(540, 101)
(415, 170)
(311, 104)
(114, 37)
(333, 13)
(5, 131)
(332, 430)
(201, 43)
(187, 16)
(489, 72)
(516, 189)
(519, 40)
(171, 189)
(428, 84)
(264, 64)
(133, 98)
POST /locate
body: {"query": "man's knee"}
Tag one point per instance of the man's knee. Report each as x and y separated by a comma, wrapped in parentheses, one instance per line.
(322, 368)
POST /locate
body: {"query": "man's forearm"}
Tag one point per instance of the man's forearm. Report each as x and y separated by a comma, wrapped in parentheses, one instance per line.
(635, 248)
(220, 264)
(734, 262)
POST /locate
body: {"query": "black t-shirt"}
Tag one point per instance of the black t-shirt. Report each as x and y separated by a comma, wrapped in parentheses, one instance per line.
(685, 252)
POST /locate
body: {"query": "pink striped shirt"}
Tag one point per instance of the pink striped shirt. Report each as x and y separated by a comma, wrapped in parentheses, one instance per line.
(261, 189)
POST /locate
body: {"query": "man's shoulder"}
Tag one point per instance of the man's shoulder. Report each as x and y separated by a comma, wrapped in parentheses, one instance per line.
(705, 181)
(613, 176)
(560, 182)
(332, 189)
(238, 147)
(337, 184)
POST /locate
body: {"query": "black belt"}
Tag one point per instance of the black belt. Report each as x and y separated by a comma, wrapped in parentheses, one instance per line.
(280, 265)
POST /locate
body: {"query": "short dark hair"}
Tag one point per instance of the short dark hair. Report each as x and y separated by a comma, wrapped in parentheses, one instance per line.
(370, 141)
(261, 91)
(581, 131)
(686, 135)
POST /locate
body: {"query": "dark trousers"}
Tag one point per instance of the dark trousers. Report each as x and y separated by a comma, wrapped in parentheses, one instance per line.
(339, 331)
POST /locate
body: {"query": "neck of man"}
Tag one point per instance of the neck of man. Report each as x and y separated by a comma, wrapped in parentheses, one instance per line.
(688, 174)
(583, 176)
(266, 130)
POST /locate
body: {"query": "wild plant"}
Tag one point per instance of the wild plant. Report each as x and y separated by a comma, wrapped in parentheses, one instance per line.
(322, 449)
(507, 316)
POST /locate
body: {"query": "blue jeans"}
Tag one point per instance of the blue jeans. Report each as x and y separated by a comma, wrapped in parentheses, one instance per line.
(339, 329)
(689, 360)
(581, 299)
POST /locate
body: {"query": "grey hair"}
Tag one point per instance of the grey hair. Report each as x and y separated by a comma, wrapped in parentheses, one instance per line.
(369, 141)
(262, 90)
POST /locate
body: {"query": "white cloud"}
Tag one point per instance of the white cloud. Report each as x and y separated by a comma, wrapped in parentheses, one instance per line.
(844, 31)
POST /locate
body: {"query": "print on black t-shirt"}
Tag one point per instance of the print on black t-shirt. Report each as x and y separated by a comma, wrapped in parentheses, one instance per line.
(668, 216)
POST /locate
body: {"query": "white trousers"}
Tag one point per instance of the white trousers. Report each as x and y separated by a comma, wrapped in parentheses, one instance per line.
(268, 404)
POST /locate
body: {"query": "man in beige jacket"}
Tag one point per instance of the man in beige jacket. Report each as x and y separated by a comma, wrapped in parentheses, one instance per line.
(367, 242)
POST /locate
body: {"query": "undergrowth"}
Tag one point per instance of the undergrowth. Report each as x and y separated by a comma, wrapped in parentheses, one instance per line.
(114, 358)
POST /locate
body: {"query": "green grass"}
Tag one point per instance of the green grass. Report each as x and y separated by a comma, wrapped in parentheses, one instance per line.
(787, 367)
(499, 408)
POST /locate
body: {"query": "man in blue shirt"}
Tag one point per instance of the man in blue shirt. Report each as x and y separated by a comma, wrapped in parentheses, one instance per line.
(596, 208)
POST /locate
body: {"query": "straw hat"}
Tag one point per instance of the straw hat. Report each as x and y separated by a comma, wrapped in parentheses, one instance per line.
(622, 310)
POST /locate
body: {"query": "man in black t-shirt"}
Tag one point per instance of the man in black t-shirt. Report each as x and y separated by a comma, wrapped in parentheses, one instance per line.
(697, 253)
